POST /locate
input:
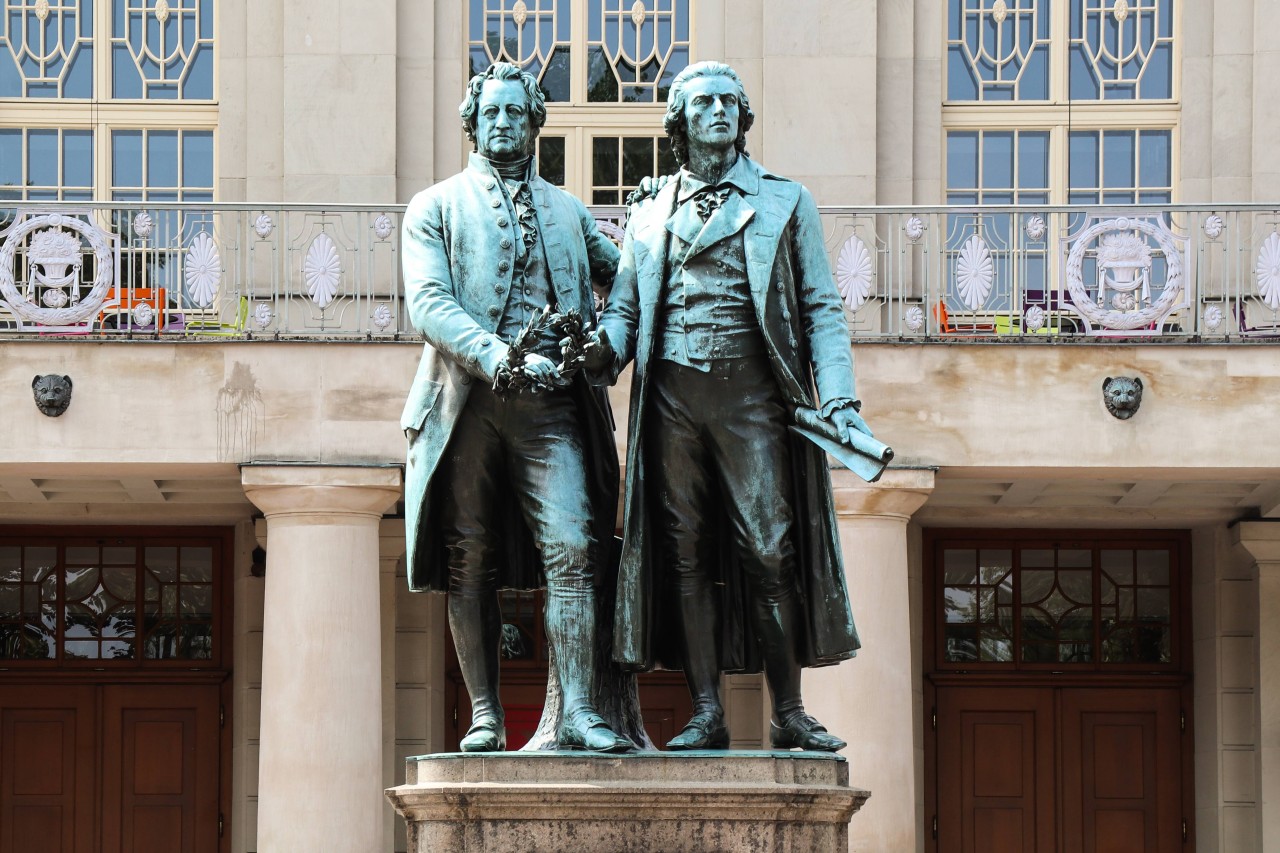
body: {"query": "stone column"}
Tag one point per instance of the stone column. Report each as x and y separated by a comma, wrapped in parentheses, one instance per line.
(871, 700)
(1262, 540)
(320, 759)
(391, 547)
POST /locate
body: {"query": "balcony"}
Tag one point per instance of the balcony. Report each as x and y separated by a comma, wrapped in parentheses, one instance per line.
(1069, 274)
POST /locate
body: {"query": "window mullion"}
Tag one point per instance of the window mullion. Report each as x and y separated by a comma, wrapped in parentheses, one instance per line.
(577, 50)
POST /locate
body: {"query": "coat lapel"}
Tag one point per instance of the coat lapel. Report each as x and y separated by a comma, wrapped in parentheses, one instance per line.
(774, 203)
(555, 244)
(726, 221)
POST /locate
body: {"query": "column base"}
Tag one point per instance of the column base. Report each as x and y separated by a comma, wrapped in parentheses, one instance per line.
(653, 801)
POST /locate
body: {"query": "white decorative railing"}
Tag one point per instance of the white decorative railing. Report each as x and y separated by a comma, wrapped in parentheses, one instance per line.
(1071, 273)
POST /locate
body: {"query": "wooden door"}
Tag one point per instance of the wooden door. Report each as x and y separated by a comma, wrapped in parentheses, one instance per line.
(1059, 770)
(1121, 771)
(995, 770)
(48, 751)
(160, 769)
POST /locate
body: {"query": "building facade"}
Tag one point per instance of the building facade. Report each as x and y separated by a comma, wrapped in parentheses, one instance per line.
(1071, 620)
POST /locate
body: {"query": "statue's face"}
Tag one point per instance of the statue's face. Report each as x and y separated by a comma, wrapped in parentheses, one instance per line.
(503, 122)
(711, 112)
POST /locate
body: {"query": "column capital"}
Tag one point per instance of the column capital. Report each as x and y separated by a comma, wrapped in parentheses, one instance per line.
(1261, 539)
(898, 493)
(280, 490)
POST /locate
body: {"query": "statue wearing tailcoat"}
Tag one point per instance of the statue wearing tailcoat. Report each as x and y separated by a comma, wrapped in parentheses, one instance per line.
(453, 236)
(806, 341)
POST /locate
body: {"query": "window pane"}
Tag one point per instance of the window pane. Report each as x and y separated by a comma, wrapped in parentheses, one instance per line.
(1154, 151)
(10, 158)
(77, 158)
(551, 154)
(52, 58)
(162, 59)
(962, 160)
(1118, 158)
(162, 158)
(162, 151)
(1121, 53)
(1033, 160)
(533, 34)
(45, 164)
(126, 158)
(637, 159)
(998, 50)
(42, 158)
(197, 159)
(997, 159)
(604, 161)
(1083, 159)
(635, 50)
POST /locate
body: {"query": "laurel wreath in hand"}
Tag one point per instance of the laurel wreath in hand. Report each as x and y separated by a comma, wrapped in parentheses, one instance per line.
(512, 375)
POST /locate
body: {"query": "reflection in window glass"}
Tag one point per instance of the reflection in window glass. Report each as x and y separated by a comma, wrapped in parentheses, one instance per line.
(1092, 606)
(635, 50)
(46, 164)
(28, 604)
(49, 58)
(533, 34)
(998, 50)
(551, 157)
(978, 605)
(178, 603)
(162, 53)
(619, 163)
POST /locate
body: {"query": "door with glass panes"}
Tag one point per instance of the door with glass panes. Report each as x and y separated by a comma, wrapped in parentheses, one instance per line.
(112, 681)
(1058, 689)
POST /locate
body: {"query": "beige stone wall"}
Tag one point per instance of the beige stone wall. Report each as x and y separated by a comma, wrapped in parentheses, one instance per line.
(974, 407)
(1225, 627)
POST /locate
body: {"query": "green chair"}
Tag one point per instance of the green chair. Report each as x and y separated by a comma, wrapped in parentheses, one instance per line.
(214, 327)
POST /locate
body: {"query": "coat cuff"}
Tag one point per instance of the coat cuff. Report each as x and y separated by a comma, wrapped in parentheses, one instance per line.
(839, 403)
(490, 353)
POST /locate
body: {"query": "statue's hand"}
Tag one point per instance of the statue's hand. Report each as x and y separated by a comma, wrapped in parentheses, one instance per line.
(598, 352)
(542, 371)
(847, 419)
(649, 187)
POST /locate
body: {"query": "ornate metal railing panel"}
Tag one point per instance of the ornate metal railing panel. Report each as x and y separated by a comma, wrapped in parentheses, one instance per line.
(191, 271)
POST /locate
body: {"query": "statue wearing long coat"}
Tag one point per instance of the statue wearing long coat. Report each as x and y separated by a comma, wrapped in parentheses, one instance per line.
(807, 340)
(458, 240)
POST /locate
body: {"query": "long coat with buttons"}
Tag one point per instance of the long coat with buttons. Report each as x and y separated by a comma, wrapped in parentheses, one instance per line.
(807, 340)
(458, 243)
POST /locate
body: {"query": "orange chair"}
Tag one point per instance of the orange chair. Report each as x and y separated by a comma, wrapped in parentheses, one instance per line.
(126, 300)
(948, 328)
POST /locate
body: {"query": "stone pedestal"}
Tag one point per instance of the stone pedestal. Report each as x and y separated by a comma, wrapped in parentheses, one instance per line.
(641, 803)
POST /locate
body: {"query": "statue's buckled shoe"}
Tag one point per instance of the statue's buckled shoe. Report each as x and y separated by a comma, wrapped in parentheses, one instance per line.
(486, 734)
(705, 730)
(586, 729)
(805, 732)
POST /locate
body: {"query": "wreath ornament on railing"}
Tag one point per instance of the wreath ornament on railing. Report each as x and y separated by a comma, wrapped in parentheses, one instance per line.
(51, 293)
(1124, 287)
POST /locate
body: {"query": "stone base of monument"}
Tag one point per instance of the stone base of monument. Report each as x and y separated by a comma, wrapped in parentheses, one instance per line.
(653, 802)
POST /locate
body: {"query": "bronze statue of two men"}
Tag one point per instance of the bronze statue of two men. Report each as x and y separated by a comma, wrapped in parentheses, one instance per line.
(722, 300)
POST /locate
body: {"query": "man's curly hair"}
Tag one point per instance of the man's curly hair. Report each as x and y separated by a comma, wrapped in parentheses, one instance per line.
(470, 106)
(673, 122)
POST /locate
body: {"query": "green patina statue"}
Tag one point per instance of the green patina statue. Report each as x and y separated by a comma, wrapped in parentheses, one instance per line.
(725, 303)
(504, 484)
